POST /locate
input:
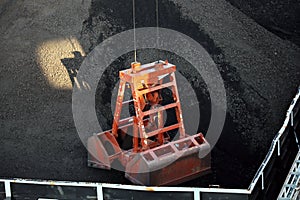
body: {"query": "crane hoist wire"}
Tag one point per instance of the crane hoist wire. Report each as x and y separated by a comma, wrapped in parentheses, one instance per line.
(134, 32)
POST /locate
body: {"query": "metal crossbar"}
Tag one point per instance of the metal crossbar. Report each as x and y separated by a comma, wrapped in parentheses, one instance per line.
(291, 186)
(100, 186)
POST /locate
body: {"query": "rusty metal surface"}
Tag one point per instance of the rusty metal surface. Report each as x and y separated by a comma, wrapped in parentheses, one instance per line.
(153, 159)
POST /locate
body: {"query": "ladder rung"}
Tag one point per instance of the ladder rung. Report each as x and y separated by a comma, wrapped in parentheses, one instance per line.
(128, 123)
(156, 110)
(162, 130)
(295, 173)
(290, 186)
(125, 120)
(127, 102)
(152, 89)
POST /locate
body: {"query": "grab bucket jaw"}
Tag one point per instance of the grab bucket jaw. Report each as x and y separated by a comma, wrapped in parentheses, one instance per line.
(171, 163)
(103, 149)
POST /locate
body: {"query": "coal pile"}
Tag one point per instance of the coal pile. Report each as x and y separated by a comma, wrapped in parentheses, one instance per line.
(260, 70)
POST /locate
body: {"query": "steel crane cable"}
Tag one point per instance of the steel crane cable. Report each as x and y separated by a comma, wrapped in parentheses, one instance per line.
(157, 28)
(133, 21)
(134, 33)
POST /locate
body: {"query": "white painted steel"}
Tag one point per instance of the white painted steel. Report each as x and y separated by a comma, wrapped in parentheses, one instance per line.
(99, 192)
(99, 186)
(273, 145)
(197, 194)
(290, 188)
(7, 188)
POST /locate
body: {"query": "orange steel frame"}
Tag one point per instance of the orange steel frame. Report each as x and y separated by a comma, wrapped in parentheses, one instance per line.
(151, 146)
(142, 81)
